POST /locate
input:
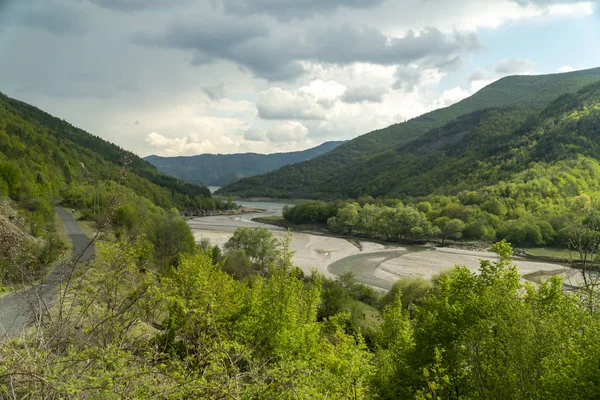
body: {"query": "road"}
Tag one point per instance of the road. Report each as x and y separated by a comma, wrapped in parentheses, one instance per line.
(17, 310)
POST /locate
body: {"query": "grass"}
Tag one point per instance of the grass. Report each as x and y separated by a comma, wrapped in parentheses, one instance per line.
(548, 252)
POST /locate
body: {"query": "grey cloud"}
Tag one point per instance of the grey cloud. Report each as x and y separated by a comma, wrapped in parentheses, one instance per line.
(250, 45)
(349, 44)
(480, 75)
(286, 9)
(255, 135)
(215, 92)
(518, 66)
(212, 37)
(364, 93)
(57, 19)
(407, 78)
(136, 5)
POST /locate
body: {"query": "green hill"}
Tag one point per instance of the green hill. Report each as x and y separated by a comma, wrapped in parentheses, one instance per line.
(482, 148)
(223, 169)
(327, 176)
(41, 155)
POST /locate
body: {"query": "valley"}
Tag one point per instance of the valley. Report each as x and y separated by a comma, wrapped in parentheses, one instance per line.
(431, 197)
(375, 264)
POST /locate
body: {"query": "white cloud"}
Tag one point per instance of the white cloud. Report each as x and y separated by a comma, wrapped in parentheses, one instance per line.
(276, 103)
(361, 94)
(287, 131)
(572, 9)
(307, 102)
(565, 68)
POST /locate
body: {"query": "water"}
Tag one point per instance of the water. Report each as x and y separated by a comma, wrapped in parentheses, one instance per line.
(268, 206)
(213, 188)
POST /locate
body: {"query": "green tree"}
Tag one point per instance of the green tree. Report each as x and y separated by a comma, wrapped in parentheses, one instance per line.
(171, 237)
(450, 228)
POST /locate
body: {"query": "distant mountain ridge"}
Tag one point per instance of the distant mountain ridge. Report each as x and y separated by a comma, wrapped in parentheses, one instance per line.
(223, 169)
(353, 163)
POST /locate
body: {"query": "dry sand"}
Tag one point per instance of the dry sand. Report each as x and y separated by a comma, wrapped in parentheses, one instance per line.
(315, 251)
(428, 263)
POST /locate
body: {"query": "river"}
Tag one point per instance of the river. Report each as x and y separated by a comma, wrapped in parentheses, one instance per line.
(375, 264)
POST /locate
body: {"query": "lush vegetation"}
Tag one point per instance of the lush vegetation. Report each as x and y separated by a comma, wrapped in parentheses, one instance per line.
(139, 325)
(370, 163)
(45, 160)
(40, 155)
(538, 207)
(223, 169)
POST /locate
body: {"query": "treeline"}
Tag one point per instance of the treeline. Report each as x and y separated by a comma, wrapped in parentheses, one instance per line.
(535, 208)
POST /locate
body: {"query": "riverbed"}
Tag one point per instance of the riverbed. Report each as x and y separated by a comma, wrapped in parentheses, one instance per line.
(375, 264)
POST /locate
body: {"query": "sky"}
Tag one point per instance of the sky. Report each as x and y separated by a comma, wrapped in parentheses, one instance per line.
(185, 77)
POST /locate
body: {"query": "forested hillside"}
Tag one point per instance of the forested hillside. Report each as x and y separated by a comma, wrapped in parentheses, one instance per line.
(320, 177)
(491, 175)
(223, 169)
(40, 154)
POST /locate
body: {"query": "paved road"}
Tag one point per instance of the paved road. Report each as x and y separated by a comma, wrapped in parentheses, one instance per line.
(18, 309)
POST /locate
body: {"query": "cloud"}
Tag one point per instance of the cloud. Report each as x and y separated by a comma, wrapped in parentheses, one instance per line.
(212, 37)
(286, 9)
(136, 5)
(255, 135)
(276, 103)
(283, 56)
(286, 132)
(565, 68)
(515, 67)
(58, 19)
(215, 92)
(361, 94)
(480, 75)
(410, 78)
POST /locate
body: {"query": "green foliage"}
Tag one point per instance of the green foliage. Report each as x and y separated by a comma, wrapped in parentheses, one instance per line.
(41, 154)
(258, 245)
(170, 237)
(410, 291)
(464, 336)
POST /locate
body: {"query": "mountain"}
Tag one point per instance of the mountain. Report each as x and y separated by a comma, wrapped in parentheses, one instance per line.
(326, 176)
(223, 169)
(41, 154)
(482, 148)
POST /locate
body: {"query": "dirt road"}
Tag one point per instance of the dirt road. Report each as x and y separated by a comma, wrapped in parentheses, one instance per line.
(18, 309)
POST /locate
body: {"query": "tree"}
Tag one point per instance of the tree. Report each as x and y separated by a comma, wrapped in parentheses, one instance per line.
(258, 244)
(171, 237)
(450, 228)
